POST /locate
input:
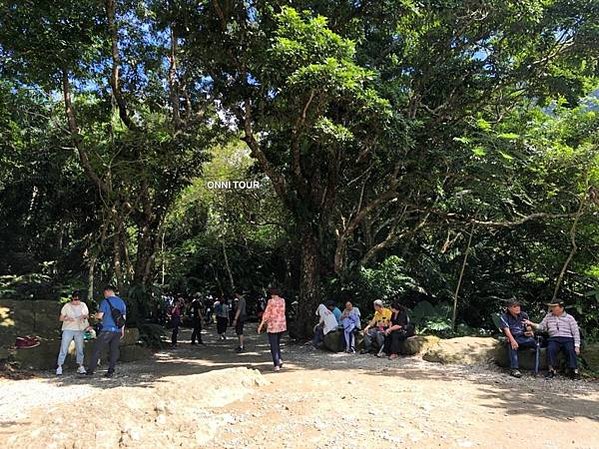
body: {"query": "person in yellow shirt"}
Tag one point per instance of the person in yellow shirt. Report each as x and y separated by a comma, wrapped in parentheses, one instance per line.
(375, 330)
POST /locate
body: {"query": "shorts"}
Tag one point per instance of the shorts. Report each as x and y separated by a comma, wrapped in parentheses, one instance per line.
(239, 326)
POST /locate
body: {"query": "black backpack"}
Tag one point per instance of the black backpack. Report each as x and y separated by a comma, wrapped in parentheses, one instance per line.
(117, 316)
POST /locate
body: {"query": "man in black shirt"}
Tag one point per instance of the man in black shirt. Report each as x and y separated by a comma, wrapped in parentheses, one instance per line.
(196, 321)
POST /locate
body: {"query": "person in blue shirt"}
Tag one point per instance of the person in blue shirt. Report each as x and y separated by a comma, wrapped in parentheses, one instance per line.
(336, 311)
(513, 324)
(111, 333)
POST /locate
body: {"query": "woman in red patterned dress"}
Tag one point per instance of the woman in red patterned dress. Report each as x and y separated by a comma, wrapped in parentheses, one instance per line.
(276, 324)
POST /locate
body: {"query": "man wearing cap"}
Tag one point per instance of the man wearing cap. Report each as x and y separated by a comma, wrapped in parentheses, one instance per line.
(513, 325)
(375, 330)
(563, 334)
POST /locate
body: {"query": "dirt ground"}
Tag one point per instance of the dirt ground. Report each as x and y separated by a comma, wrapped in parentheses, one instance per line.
(206, 397)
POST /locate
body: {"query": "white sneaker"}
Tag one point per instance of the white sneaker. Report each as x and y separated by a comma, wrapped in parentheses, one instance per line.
(277, 368)
(59, 371)
(81, 370)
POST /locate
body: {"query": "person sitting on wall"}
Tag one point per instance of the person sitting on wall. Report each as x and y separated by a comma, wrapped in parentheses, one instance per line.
(399, 330)
(336, 311)
(375, 330)
(563, 334)
(518, 333)
(350, 320)
(326, 323)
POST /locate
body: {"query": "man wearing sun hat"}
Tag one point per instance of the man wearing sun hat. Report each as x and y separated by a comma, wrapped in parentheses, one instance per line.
(563, 334)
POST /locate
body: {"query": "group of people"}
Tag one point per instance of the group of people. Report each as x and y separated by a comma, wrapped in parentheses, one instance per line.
(383, 333)
(561, 328)
(74, 315)
(233, 313)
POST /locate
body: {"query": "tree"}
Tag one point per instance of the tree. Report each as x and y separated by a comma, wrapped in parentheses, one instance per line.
(139, 129)
(362, 156)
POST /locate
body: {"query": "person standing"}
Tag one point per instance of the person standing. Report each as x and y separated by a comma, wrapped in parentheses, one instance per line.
(73, 315)
(175, 316)
(221, 309)
(239, 319)
(196, 320)
(111, 308)
(276, 324)
(563, 334)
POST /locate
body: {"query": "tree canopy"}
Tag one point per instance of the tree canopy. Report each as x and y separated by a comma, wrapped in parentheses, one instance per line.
(438, 149)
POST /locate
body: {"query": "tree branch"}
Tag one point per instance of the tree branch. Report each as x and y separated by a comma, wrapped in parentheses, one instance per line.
(572, 252)
(116, 65)
(173, 81)
(76, 136)
(277, 179)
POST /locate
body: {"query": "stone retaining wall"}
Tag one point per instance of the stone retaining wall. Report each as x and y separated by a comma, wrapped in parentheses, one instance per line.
(40, 318)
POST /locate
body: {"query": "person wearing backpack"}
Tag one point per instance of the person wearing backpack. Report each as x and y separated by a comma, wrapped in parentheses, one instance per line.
(112, 312)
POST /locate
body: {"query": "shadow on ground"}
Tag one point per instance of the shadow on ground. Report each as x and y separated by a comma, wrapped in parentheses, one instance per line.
(556, 399)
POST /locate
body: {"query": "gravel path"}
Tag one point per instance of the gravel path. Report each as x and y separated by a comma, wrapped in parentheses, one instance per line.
(319, 400)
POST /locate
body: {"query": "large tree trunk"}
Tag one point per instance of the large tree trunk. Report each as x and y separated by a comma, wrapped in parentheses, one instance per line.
(309, 294)
(146, 243)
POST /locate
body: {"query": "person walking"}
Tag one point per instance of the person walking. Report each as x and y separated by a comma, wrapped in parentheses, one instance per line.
(112, 312)
(276, 324)
(73, 315)
(195, 310)
(239, 319)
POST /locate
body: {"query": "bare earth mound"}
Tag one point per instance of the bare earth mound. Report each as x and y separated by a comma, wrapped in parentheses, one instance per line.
(206, 397)
(171, 413)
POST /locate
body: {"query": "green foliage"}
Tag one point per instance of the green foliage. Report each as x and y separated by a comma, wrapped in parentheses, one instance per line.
(379, 130)
(387, 281)
(152, 335)
(31, 286)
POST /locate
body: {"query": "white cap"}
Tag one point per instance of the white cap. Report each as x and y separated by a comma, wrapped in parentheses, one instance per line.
(378, 302)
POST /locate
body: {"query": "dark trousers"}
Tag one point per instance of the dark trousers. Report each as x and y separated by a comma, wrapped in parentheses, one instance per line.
(175, 322)
(374, 334)
(393, 341)
(318, 336)
(105, 340)
(197, 331)
(567, 344)
(274, 339)
(221, 324)
(523, 342)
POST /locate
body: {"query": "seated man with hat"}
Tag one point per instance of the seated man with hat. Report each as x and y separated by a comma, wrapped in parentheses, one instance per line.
(513, 325)
(563, 334)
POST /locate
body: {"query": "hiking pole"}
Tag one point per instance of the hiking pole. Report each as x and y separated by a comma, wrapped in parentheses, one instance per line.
(537, 355)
